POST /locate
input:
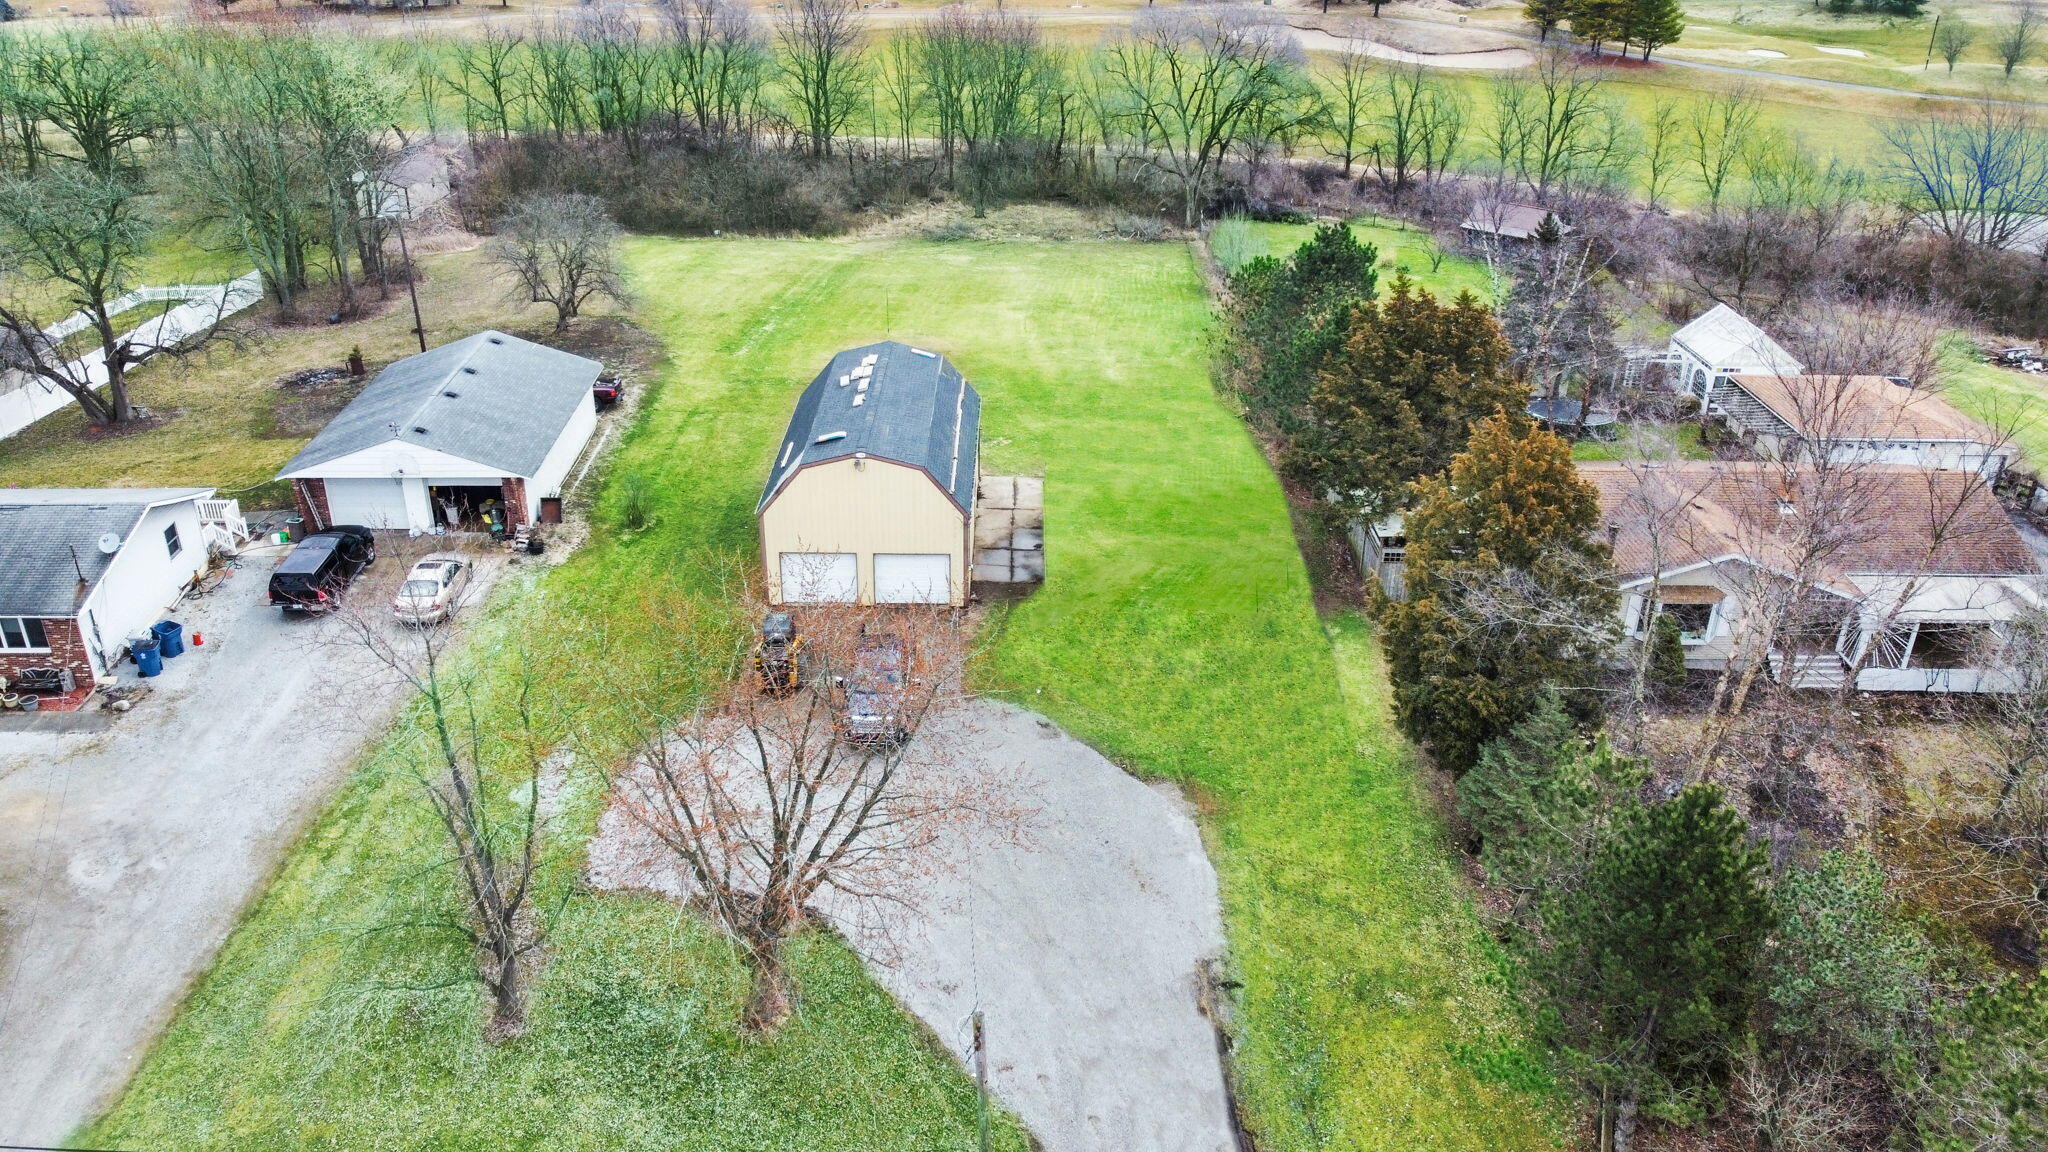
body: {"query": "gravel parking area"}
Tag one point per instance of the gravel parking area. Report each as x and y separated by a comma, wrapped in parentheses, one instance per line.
(1083, 948)
(127, 854)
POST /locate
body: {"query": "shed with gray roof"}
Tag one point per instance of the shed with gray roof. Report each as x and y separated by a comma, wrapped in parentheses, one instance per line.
(437, 436)
(870, 496)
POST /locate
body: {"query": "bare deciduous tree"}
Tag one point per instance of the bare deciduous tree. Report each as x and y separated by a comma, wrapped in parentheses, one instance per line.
(563, 250)
(843, 791)
(2019, 38)
(1719, 130)
(1183, 86)
(1953, 38)
(822, 65)
(479, 769)
(1347, 100)
(1978, 174)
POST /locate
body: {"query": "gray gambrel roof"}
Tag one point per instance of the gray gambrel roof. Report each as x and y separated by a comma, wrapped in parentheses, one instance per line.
(916, 409)
(41, 527)
(510, 400)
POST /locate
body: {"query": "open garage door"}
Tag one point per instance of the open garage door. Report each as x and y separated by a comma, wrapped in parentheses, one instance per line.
(373, 503)
(913, 579)
(819, 578)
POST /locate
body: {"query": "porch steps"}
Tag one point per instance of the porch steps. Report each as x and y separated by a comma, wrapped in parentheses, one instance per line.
(1809, 669)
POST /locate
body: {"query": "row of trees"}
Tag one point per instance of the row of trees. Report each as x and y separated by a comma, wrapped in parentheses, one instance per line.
(1647, 24)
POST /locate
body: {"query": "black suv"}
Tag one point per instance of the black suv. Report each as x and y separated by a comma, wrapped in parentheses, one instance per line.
(312, 577)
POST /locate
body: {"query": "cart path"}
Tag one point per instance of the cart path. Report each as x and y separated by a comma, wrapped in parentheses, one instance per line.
(1084, 949)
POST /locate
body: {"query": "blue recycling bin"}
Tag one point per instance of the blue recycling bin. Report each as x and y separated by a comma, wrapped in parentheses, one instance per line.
(170, 637)
(148, 661)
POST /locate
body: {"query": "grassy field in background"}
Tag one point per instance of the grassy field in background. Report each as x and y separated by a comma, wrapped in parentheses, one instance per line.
(2012, 402)
(1176, 632)
(1402, 248)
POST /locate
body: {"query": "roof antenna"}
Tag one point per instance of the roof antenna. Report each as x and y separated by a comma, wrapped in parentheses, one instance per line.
(75, 565)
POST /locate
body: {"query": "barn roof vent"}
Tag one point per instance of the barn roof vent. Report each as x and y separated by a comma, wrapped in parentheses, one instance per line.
(494, 339)
(452, 394)
(468, 370)
(925, 354)
(860, 399)
(845, 380)
(419, 429)
(828, 437)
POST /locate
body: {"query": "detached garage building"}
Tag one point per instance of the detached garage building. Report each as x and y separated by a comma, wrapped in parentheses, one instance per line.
(437, 436)
(870, 498)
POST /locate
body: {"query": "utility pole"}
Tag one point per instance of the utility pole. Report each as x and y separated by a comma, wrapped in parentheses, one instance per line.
(1931, 34)
(412, 285)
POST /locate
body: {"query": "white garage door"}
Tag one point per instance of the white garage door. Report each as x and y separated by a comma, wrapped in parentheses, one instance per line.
(374, 503)
(820, 578)
(913, 579)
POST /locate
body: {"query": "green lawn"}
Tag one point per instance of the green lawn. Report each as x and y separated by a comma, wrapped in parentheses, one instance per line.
(2012, 402)
(1402, 248)
(1176, 632)
(1645, 441)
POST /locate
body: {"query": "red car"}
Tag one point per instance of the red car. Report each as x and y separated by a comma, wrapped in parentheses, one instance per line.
(607, 391)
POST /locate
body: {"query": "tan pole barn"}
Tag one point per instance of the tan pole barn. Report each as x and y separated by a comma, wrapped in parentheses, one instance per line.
(870, 497)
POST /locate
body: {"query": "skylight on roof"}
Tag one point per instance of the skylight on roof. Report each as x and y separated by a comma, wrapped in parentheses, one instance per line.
(925, 354)
(828, 437)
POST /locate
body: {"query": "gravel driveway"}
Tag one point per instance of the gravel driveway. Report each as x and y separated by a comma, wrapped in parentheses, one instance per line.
(1083, 948)
(127, 854)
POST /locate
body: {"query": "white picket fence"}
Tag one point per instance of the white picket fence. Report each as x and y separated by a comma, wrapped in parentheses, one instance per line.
(204, 305)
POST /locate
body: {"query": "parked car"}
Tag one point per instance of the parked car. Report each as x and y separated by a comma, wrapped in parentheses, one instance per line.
(608, 390)
(871, 699)
(431, 590)
(312, 577)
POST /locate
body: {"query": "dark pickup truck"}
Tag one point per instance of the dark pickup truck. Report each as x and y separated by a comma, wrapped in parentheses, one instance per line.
(312, 577)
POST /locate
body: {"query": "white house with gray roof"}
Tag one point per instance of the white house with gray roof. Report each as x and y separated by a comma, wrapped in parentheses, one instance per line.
(870, 497)
(438, 437)
(82, 569)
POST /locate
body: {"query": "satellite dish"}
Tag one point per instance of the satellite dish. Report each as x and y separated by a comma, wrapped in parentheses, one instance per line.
(110, 542)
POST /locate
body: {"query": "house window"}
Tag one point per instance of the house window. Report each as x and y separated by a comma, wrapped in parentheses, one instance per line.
(1695, 621)
(172, 544)
(22, 634)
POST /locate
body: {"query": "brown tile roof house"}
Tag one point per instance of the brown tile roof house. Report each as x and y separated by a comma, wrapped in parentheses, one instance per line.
(1881, 519)
(1917, 570)
(1861, 408)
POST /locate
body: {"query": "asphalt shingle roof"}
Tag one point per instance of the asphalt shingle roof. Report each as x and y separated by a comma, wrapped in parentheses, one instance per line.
(1862, 408)
(916, 409)
(40, 528)
(511, 399)
(1877, 520)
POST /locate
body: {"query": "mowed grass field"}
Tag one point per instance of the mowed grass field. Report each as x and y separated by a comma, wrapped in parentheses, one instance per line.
(1403, 249)
(1175, 632)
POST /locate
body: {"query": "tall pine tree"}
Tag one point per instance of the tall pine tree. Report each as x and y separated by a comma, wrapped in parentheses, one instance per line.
(1289, 315)
(1509, 593)
(1398, 398)
(1642, 970)
(1546, 15)
(1653, 24)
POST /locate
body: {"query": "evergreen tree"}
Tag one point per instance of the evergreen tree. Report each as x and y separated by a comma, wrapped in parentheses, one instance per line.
(1288, 315)
(1546, 15)
(1509, 593)
(1667, 655)
(1988, 1088)
(1397, 399)
(1654, 23)
(1643, 969)
(1539, 799)
(1841, 970)
(1600, 22)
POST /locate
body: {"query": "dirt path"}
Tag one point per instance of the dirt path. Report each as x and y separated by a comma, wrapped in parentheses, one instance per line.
(1083, 950)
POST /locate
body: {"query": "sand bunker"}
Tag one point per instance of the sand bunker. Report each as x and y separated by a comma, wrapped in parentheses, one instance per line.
(1766, 54)
(1840, 51)
(1317, 40)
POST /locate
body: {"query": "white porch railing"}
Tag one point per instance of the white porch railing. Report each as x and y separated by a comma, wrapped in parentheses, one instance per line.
(221, 526)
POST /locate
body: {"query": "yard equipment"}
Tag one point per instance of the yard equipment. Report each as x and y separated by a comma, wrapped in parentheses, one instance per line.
(778, 654)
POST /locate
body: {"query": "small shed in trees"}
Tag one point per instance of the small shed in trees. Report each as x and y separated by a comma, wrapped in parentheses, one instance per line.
(1513, 221)
(437, 438)
(870, 498)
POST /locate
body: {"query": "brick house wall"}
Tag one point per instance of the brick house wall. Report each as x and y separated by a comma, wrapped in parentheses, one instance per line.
(514, 489)
(311, 498)
(67, 650)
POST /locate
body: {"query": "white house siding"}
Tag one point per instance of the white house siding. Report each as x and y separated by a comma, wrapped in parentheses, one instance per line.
(547, 481)
(1719, 645)
(144, 579)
